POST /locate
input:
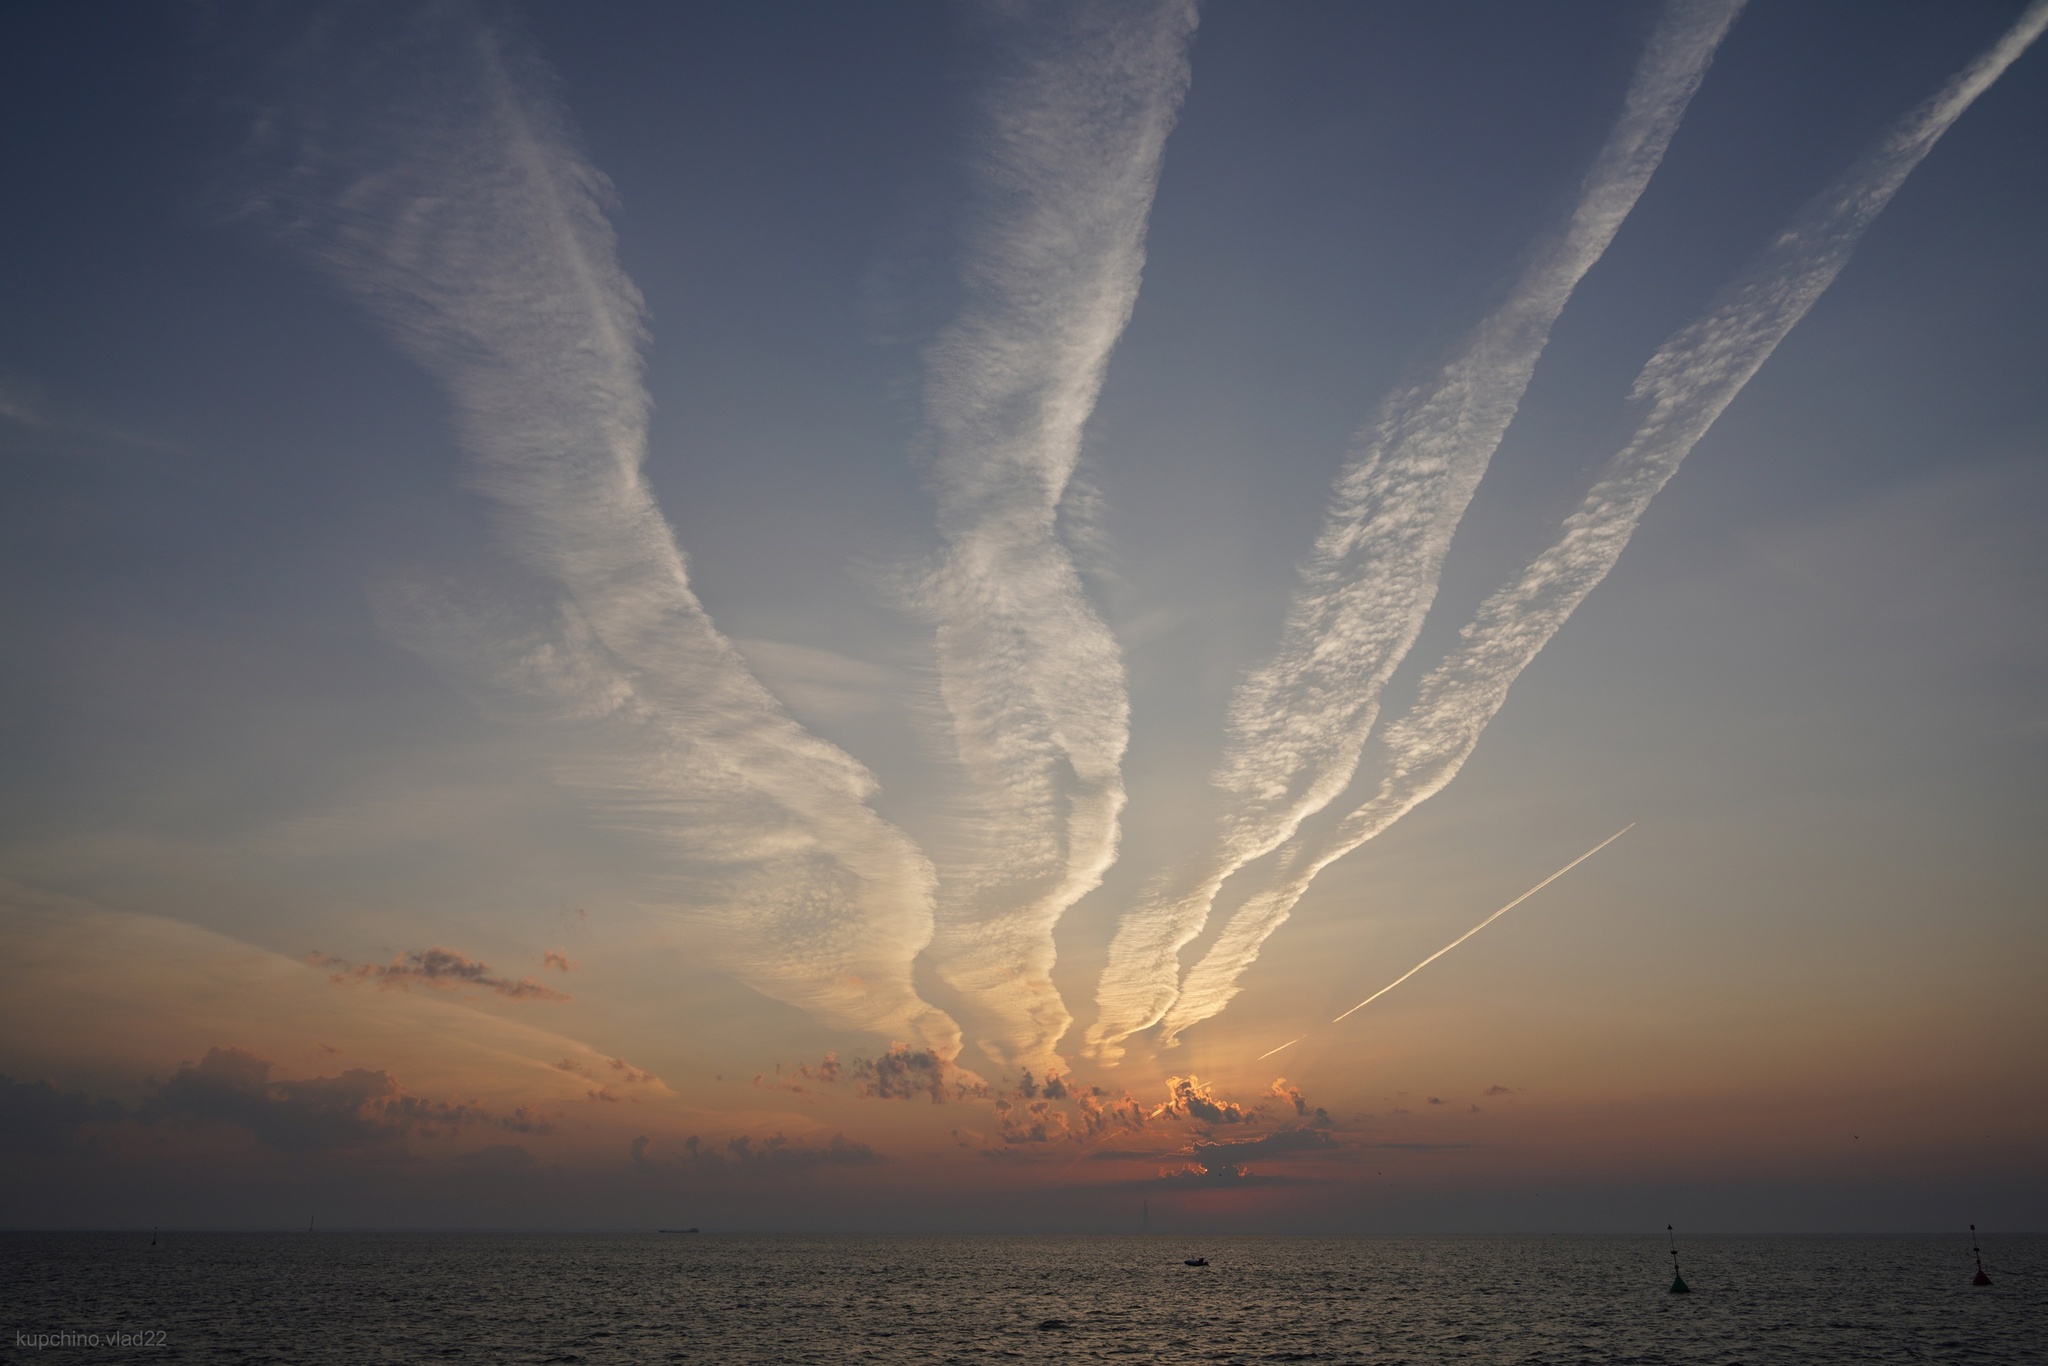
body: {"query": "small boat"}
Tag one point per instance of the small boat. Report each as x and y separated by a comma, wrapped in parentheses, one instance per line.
(1196, 1261)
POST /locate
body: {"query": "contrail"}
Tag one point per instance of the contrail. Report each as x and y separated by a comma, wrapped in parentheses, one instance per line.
(1289, 1044)
(1072, 138)
(1297, 725)
(1461, 938)
(1484, 923)
(441, 184)
(1681, 391)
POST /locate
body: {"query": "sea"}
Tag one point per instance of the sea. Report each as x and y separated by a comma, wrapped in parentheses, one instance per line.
(724, 1298)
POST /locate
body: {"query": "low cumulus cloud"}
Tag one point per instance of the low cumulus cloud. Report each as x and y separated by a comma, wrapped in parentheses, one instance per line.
(1280, 1090)
(1030, 1115)
(359, 1108)
(1192, 1098)
(903, 1072)
(802, 1077)
(35, 1117)
(1040, 1114)
(1207, 1163)
(1206, 1160)
(439, 968)
(1302, 1139)
(355, 1109)
(900, 1072)
(746, 1153)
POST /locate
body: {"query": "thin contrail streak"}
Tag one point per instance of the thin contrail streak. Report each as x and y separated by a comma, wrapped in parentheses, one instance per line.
(1677, 397)
(1482, 924)
(1297, 725)
(1289, 1044)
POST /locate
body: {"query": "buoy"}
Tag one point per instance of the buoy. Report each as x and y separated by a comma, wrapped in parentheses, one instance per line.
(1980, 1278)
(1678, 1285)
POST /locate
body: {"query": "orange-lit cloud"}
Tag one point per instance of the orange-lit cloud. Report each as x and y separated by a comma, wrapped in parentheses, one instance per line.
(440, 968)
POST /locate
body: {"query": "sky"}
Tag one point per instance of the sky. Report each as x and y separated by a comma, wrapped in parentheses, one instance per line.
(807, 617)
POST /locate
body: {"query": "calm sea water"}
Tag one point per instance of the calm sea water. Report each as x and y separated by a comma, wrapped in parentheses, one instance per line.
(708, 1298)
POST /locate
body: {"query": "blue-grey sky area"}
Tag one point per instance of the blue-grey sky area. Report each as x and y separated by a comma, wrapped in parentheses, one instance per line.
(805, 615)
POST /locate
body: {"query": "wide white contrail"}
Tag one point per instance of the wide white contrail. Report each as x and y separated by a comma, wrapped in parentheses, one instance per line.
(1680, 392)
(440, 183)
(1072, 137)
(1297, 725)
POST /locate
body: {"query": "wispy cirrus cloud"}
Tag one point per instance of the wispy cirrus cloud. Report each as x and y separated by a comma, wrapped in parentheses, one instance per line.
(440, 182)
(1680, 392)
(1297, 725)
(1070, 138)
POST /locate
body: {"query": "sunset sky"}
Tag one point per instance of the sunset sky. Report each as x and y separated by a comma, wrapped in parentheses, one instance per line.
(810, 616)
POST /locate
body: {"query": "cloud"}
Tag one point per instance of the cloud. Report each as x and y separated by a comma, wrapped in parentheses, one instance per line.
(1056, 1110)
(628, 1072)
(1498, 1090)
(556, 959)
(777, 1152)
(439, 181)
(903, 1072)
(1071, 135)
(1298, 724)
(444, 969)
(359, 1108)
(1214, 1163)
(35, 1117)
(1285, 1141)
(1280, 1090)
(1102, 1115)
(821, 684)
(1678, 395)
(616, 1071)
(1055, 1086)
(1205, 1174)
(825, 1073)
(1193, 1098)
(1032, 1121)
